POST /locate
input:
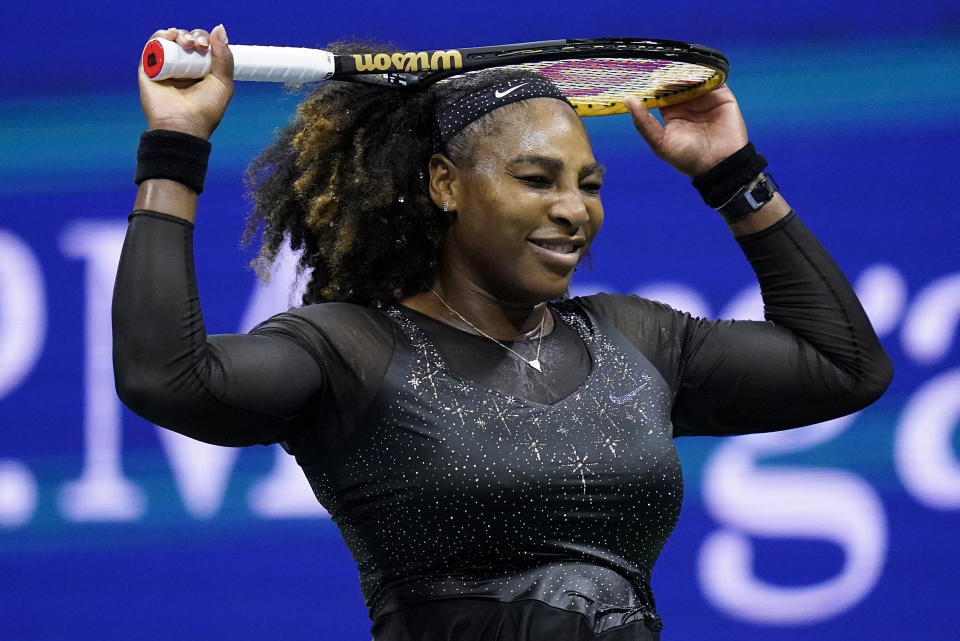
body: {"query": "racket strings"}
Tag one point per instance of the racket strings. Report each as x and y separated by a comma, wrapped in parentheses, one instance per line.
(597, 86)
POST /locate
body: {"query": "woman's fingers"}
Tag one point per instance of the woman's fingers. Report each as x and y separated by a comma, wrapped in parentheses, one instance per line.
(202, 37)
(195, 40)
(646, 123)
(221, 63)
(166, 34)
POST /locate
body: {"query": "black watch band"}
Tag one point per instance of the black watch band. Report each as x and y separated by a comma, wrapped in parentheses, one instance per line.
(746, 201)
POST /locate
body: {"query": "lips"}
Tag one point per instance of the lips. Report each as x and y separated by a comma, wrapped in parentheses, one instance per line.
(560, 254)
(556, 246)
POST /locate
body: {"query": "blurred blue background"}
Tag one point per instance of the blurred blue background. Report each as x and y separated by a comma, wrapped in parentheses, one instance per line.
(112, 529)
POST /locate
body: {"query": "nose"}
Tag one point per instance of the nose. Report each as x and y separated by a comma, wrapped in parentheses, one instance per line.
(570, 210)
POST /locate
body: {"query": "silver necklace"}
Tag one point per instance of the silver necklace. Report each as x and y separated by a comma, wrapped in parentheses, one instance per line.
(535, 363)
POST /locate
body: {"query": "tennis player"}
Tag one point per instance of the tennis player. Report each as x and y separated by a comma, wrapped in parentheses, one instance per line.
(498, 456)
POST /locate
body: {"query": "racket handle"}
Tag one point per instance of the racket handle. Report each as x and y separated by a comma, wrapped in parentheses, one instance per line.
(164, 59)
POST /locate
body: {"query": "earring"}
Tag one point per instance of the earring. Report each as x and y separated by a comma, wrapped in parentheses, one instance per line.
(446, 206)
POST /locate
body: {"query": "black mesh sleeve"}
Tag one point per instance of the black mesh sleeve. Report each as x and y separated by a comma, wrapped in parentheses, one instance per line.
(816, 357)
(228, 390)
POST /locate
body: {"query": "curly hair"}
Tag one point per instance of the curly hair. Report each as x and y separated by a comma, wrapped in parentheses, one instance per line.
(346, 184)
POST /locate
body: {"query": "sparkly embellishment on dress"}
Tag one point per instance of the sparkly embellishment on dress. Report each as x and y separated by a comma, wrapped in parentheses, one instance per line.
(451, 488)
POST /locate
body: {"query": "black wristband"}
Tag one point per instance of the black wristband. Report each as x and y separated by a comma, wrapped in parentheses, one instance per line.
(728, 177)
(174, 156)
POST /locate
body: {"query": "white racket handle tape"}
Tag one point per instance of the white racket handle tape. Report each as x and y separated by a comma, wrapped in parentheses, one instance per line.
(164, 59)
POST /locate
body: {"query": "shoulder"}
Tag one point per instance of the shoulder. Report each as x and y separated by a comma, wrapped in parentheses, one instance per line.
(648, 324)
(330, 326)
(659, 332)
(327, 317)
(335, 315)
(616, 307)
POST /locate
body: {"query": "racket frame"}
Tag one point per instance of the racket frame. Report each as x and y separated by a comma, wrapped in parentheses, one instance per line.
(417, 69)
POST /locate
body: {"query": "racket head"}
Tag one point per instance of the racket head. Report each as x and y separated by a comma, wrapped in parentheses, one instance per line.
(597, 74)
(598, 86)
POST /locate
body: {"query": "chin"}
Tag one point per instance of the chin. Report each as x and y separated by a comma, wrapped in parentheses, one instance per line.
(554, 291)
(539, 286)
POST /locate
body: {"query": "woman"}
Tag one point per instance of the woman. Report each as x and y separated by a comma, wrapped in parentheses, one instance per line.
(500, 465)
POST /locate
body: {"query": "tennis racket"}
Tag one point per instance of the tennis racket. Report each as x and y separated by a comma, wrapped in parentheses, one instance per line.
(595, 74)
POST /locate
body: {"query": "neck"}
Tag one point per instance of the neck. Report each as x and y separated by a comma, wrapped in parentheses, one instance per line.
(503, 320)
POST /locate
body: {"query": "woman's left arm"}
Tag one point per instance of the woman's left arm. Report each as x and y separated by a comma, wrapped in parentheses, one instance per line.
(817, 356)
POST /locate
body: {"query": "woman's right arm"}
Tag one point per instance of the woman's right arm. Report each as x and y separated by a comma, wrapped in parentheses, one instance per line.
(230, 389)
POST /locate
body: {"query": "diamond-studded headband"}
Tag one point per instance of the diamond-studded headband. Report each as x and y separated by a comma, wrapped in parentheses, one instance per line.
(463, 111)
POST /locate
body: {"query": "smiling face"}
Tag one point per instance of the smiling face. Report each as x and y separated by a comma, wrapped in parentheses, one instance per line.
(527, 204)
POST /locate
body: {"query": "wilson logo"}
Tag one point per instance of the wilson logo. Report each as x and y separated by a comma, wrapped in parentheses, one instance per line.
(409, 62)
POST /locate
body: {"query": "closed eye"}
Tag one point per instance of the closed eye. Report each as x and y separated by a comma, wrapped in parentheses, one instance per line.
(535, 180)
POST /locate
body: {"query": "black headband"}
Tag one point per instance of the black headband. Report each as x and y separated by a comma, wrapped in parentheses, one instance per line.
(463, 111)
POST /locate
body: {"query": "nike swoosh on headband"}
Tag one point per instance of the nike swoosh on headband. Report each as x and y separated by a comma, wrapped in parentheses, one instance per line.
(501, 94)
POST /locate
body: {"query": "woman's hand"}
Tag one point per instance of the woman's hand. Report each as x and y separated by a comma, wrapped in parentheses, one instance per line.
(696, 134)
(191, 106)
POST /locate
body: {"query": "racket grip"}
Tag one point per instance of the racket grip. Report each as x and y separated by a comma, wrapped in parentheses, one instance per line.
(164, 59)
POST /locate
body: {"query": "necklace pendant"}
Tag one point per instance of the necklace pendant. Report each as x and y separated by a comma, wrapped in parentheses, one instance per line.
(535, 363)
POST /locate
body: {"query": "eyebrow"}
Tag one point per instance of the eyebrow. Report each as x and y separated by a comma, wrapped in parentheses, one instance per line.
(555, 165)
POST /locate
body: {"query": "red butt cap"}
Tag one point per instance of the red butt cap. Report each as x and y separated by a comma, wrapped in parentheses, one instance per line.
(152, 58)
